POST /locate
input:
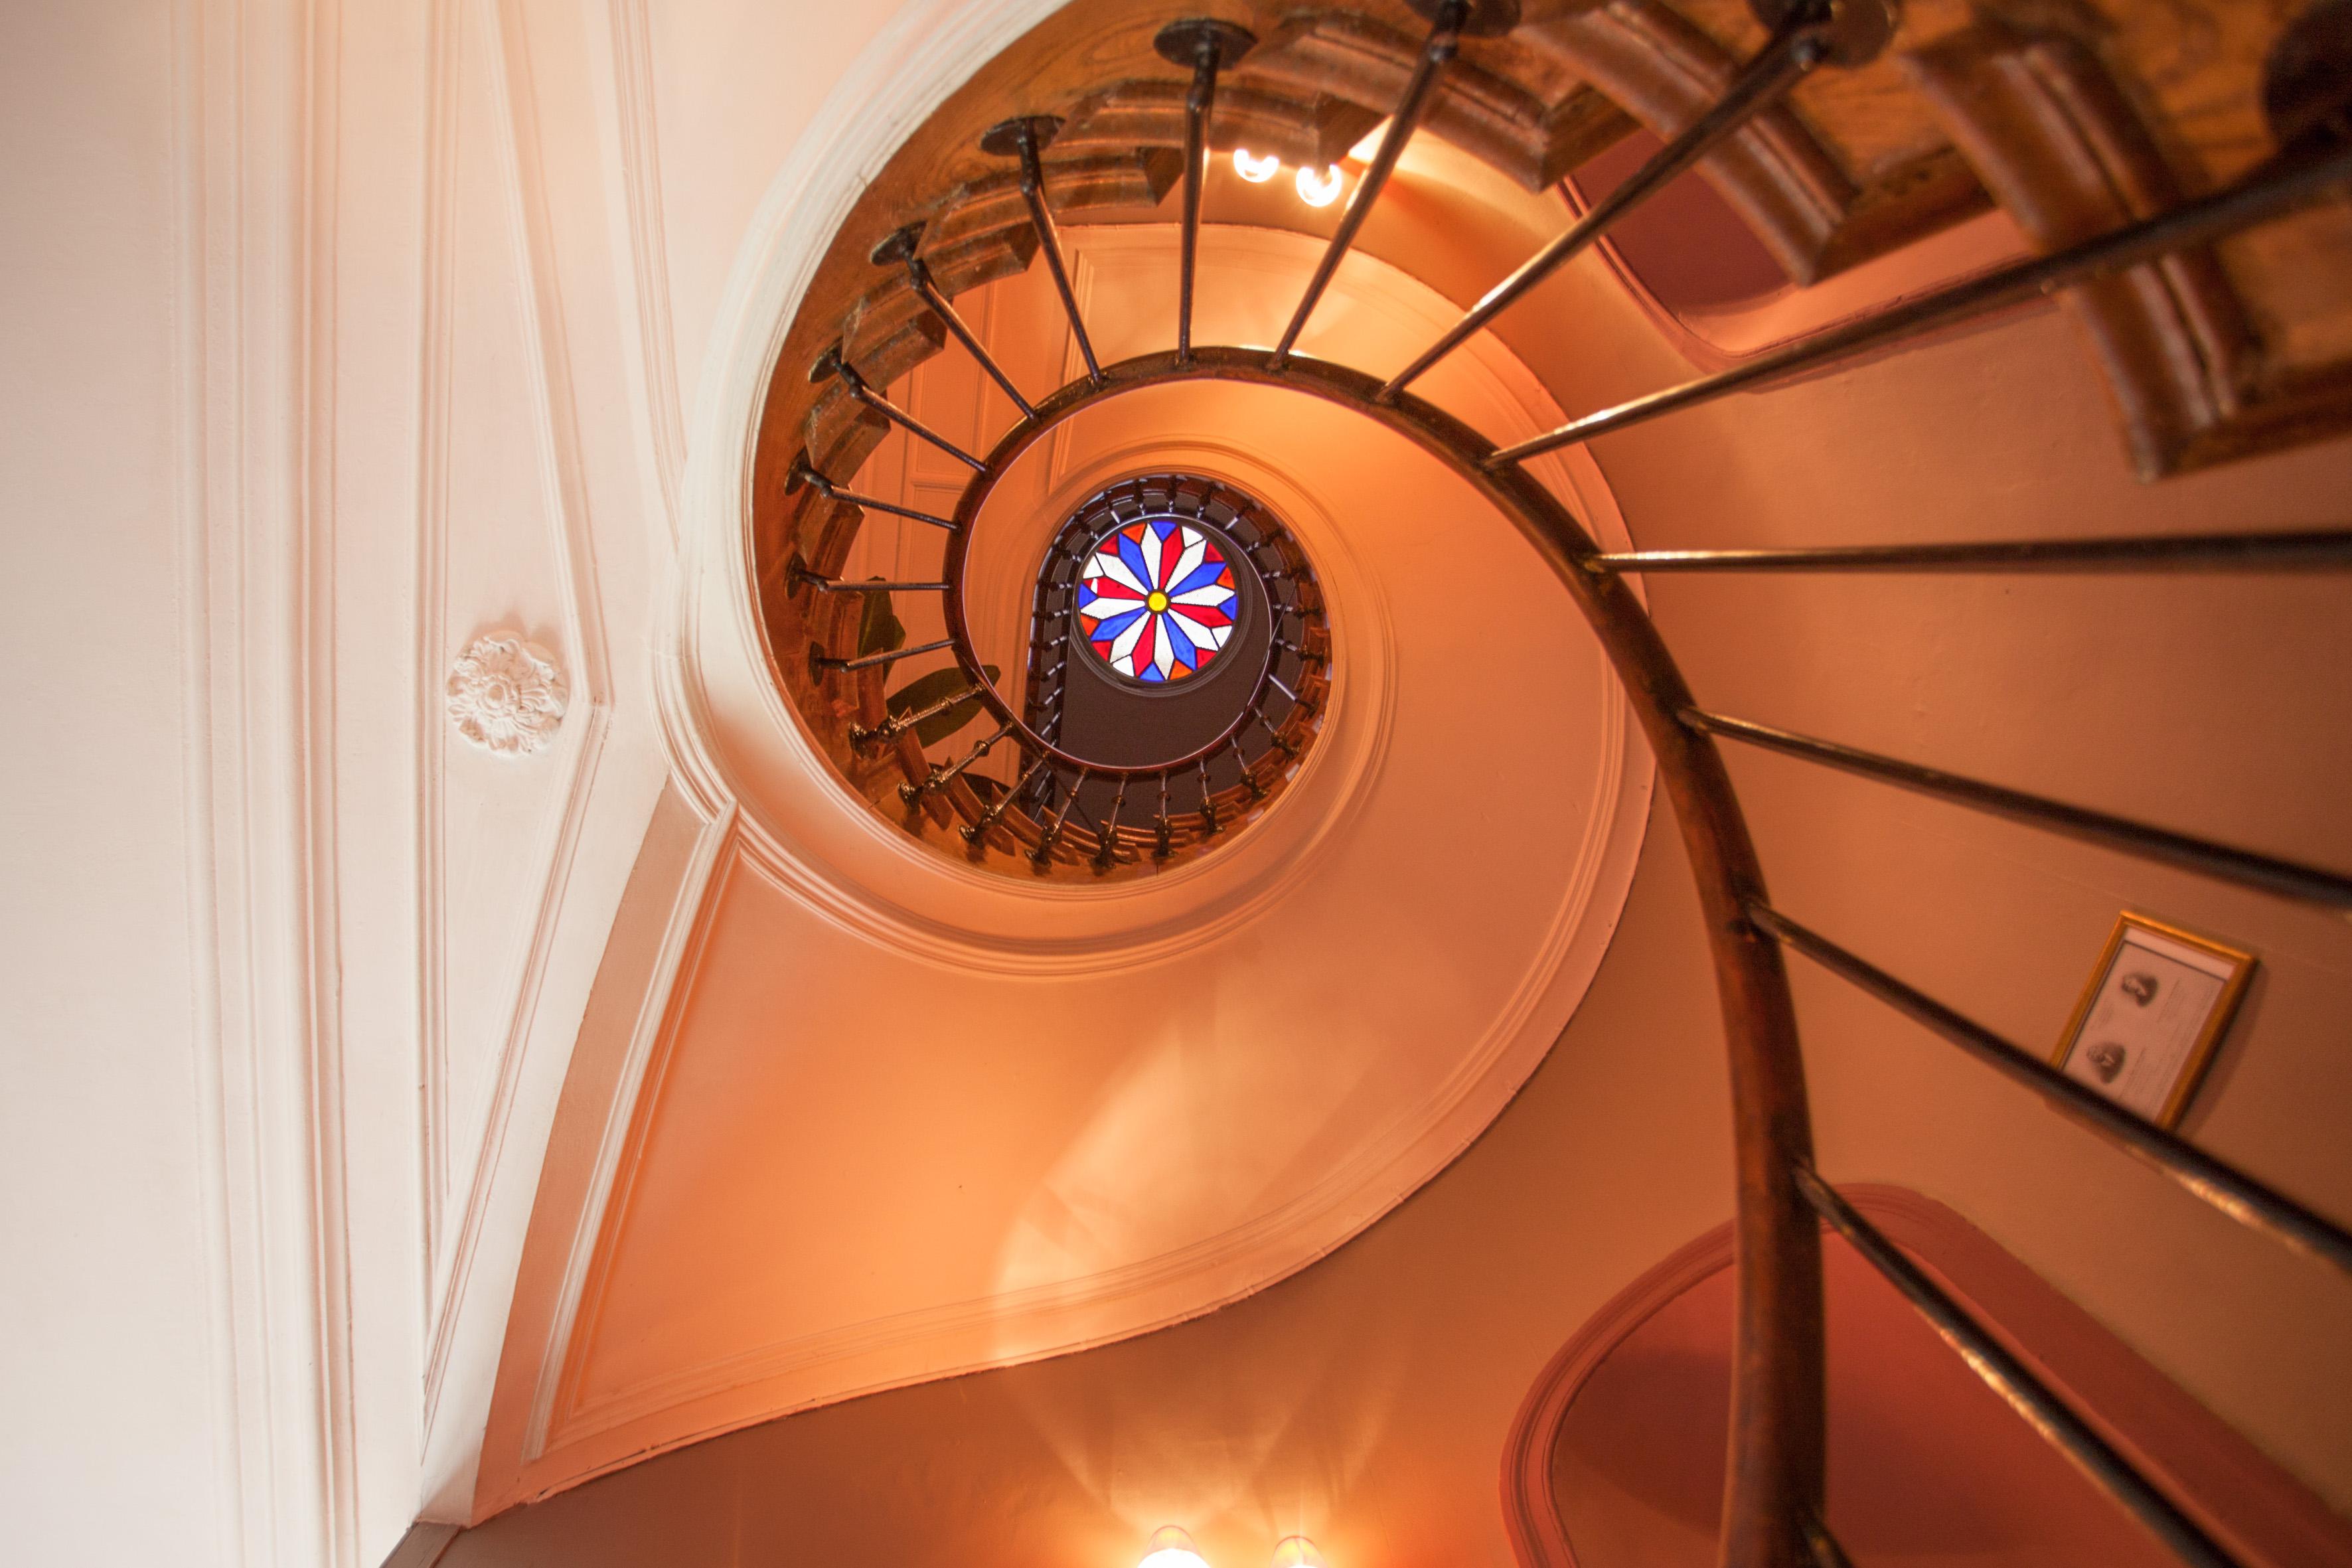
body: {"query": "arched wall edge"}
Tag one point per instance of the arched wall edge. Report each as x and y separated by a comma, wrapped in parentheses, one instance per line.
(2250, 1504)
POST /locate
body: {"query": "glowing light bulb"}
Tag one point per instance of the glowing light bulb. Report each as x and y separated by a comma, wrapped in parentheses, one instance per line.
(1296, 1552)
(1320, 189)
(1171, 1547)
(1256, 171)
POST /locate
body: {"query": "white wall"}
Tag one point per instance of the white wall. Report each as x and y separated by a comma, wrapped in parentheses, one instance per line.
(112, 1448)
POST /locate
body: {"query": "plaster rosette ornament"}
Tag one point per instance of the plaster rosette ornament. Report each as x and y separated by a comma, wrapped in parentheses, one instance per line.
(506, 695)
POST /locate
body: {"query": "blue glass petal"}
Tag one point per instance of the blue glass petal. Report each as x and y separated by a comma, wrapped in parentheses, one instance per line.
(1132, 554)
(1111, 626)
(1203, 575)
(1178, 644)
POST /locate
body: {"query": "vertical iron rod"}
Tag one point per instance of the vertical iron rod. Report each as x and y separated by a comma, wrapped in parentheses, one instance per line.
(979, 830)
(1107, 851)
(1444, 36)
(941, 779)
(2234, 1194)
(901, 245)
(1763, 81)
(1272, 734)
(2320, 550)
(1052, 835)
(2285, 878)
(871, 659)
(1197, 105)
(806, 472)
(2006, 1376)
(891, 729)
(844, 585)
(1827, 1552)
(834, 363)
(2272, 189)
(1023, 135)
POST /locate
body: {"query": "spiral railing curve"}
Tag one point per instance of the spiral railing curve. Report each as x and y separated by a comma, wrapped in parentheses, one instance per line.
(1773, 1516)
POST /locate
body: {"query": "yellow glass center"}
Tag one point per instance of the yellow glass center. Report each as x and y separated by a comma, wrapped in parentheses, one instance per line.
(1155, 601)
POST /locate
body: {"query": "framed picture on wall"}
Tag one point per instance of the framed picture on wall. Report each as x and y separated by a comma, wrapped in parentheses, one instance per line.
(2157, 1005)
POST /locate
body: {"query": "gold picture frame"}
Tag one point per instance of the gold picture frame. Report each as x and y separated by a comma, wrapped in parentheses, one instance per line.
(2158, 1003)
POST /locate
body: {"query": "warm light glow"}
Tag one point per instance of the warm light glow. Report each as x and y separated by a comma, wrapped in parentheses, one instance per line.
(1256, 171)
(1171, 1547)
(1296, 1552)
(1320, 190)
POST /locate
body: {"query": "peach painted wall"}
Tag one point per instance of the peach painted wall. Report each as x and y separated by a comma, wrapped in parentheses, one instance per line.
(1363, 1401)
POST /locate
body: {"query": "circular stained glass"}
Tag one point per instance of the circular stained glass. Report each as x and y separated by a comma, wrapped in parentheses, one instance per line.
(1157, 600)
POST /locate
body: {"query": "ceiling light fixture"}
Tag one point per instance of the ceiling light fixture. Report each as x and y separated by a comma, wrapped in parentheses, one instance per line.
(1320, 189)
(1256, 171)
(1171, 1547)
(1296, 1552)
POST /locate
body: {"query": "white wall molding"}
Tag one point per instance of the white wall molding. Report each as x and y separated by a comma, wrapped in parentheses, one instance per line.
(632, 156)
(490, 1194)
(683, 937)
(256, 214)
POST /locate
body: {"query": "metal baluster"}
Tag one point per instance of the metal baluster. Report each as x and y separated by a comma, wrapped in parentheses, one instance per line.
(1450, 20)
(808, 579)
(2266, 872)
(805, 472)
(2008, 1377)
(1296, 701)
(2311, 551)
(898, 249)
(1282, 744)
(1162, 829)
(1107, 851)
(1042, 855)
(825, 661)
(832, 364)
(1207, 47)
(1848, 31)
(1023, 139)
(1304, 657)
(2272, 190)
(939, 779)
(1209, 824)
(2226, 1188)
(891, 729)
(1827, 1552)
(979, 830)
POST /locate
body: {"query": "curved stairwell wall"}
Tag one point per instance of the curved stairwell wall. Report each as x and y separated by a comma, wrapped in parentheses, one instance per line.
(1364, 1401)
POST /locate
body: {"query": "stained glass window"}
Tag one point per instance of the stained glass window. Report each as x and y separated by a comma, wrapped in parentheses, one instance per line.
(1157, 600)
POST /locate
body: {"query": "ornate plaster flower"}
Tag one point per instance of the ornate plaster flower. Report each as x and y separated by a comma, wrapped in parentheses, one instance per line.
(506, 695)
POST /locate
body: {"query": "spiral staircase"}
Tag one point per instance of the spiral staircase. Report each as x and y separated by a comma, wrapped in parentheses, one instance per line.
(930, 1062)
(1801, 119)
